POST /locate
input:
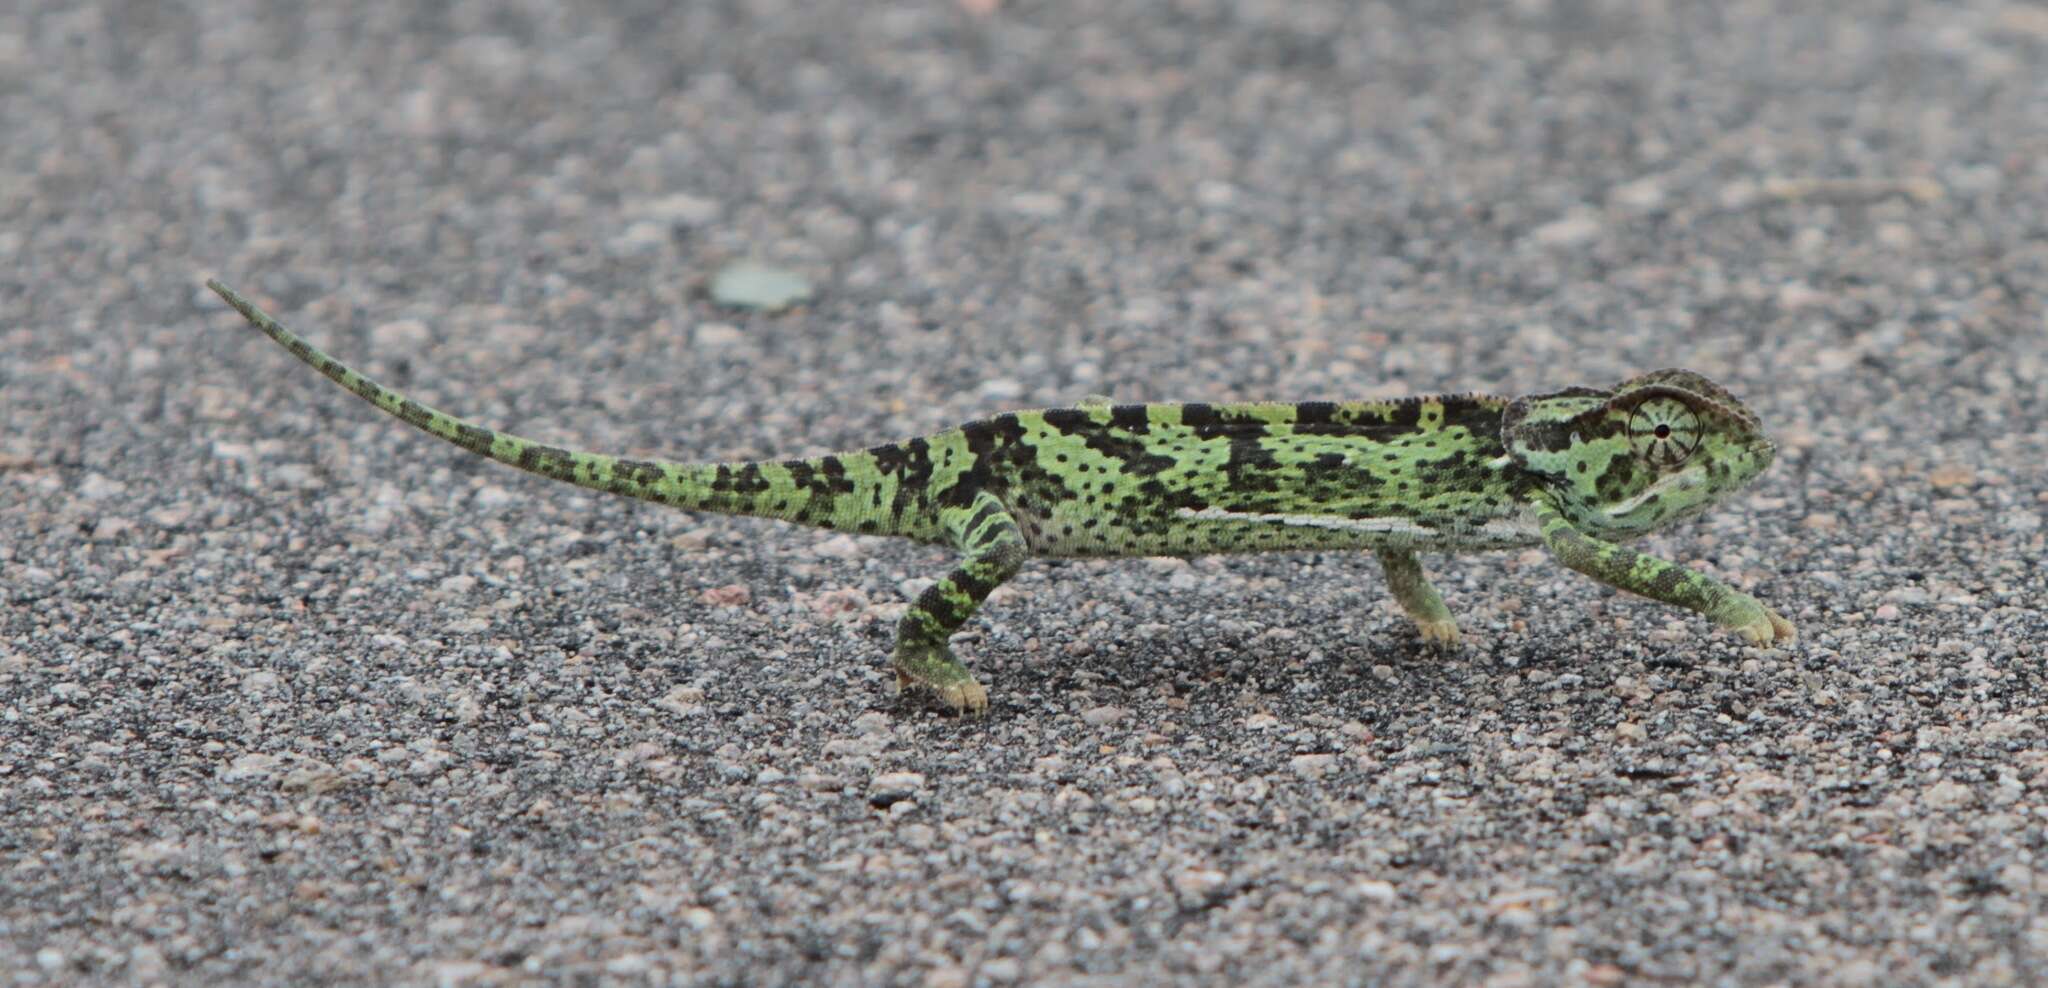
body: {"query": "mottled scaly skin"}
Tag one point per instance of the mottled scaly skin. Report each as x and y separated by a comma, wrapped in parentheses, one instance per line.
(1576, 471)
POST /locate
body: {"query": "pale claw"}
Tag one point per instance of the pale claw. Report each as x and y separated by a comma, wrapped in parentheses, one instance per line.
(969, 697)
(1444, 632)
(1768, 630)
(1785, 632)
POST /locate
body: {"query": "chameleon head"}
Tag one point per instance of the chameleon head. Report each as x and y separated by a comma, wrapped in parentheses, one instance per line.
(1652, 450)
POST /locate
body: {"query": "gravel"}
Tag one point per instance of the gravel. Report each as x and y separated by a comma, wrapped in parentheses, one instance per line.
(291, 694)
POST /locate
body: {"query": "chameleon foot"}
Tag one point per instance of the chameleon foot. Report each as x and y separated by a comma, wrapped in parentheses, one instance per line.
(1768, 630)
(936, 670)
(1440, 632)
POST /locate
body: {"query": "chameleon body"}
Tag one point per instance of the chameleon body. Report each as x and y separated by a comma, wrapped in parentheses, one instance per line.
(1577, 471)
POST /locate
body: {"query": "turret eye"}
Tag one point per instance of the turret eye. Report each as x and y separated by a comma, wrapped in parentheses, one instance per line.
(1663, 431)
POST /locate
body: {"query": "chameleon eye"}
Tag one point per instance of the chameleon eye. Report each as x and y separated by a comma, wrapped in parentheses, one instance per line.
(1663, 431)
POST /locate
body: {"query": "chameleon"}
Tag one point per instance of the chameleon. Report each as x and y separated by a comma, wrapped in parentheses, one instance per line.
(1578, 472)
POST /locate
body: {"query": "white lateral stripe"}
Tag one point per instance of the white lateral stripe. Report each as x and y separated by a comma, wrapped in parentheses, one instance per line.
(1401, 525)
(1506, 529)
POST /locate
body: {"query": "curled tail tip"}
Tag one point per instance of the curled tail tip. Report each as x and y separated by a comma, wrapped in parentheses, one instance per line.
(233, 298)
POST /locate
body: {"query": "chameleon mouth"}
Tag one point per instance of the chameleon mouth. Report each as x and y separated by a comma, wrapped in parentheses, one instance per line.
(1762, 452)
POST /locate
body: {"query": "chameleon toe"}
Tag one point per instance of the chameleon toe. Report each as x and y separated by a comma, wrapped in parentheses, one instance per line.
(1766, 631)
(969, 698)
(1443, 633)
(1781, 628)
(936, 669)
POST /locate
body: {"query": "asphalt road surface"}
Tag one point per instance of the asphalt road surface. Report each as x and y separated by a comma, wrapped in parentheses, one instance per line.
(290, 693)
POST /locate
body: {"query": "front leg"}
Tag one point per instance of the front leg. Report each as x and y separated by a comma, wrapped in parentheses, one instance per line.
(1626, 569)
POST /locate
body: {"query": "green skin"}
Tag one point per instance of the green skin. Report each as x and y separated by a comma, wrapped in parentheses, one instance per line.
(1576, 471)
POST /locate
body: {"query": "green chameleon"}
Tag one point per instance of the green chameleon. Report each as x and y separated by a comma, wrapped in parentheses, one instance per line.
(1575, 471)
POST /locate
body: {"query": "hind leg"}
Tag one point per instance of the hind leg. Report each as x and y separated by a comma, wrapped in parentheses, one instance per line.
(1423, 604)
(986, 532)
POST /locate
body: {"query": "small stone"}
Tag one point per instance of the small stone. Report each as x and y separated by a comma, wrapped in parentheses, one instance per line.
(1102, 716)
(1215, 194)
(254, 765)
(1038, 205)
(400, 336)
(1001, 389)
(1313, 766)
(99, 487)
(951, 976)
(1574, 229)
(840, 546)
(1948, 794)
(1886, 612)
(110, 527)
(312, 777)
(716, 334)
(686, 701)
(1606, 976)
(1794, 296)
(1953, 475)
(839, 604)
(820, 782)
(683, 210)
(1197, 884)
(891, 788)
(491, 497)
(730, 595)
(757, 286)
(1643, 194)
(644, 236)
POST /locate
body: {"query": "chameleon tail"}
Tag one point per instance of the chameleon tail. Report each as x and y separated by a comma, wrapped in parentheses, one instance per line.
(843, 492)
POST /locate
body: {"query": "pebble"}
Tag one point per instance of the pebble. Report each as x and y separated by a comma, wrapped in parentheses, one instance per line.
(400, 337)
(1102, 716)
(763, 287)
(890, 788)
